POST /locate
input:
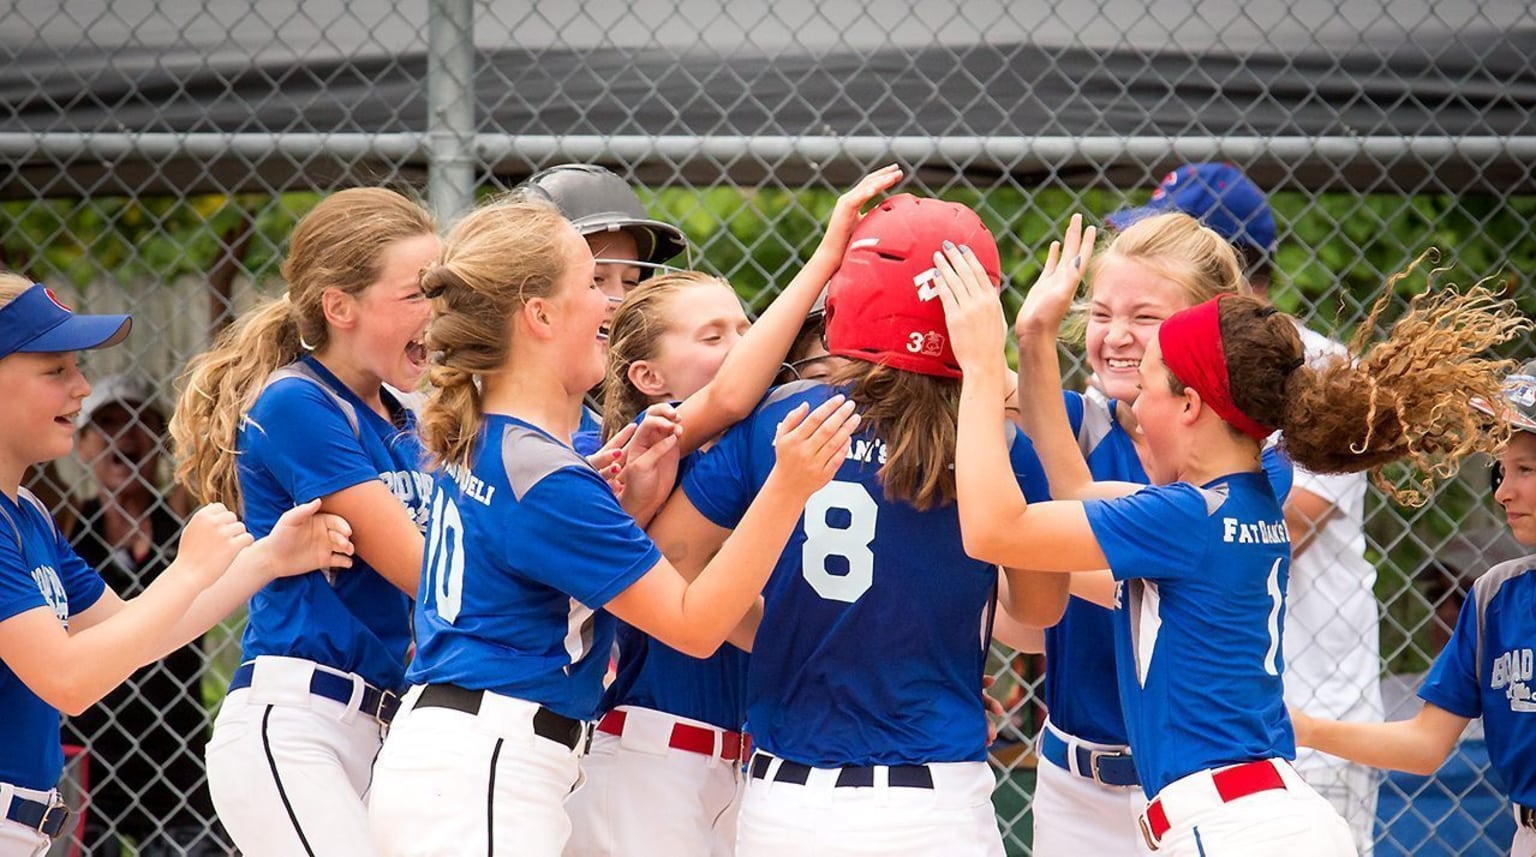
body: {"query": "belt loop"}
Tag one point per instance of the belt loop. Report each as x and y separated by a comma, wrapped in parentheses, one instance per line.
(7, 794)
(717, 757)
(355, 702)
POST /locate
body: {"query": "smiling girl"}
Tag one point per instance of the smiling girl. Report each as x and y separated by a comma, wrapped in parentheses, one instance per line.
(1201, 557)
(1087, 794)
(531, 557)
(66, 638)
(294, 403)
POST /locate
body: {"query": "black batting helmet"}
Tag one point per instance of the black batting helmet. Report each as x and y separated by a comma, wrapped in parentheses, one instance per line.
(596, 200)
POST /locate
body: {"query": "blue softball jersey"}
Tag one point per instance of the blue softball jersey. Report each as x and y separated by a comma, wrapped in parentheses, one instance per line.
(1488, 670)
(876, 623)
(297, 443)
(1081, 689)
(656, 676)
(653, 675)
(523, 550)
(39, 570)
(1200, 603)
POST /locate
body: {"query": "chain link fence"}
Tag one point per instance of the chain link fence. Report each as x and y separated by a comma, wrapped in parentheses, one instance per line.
(156, 156)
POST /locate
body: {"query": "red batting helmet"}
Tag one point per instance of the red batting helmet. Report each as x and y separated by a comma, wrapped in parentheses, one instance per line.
(883, 303)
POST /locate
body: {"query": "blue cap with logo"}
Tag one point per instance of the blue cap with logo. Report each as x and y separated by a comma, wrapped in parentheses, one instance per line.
(36, 321)
(1217, 195)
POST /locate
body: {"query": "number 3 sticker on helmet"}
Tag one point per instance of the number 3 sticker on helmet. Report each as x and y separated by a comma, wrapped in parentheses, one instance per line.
(848, 540)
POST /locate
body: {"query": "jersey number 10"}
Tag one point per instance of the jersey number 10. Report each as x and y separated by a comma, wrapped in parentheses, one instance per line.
(445, 558)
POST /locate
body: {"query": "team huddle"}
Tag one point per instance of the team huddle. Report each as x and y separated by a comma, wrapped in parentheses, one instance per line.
(474, 472)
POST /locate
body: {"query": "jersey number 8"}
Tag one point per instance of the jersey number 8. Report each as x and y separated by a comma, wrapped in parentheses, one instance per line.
(848, 541)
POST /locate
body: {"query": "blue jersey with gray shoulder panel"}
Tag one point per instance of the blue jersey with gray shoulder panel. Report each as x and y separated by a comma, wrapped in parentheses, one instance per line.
(876, 624)
(38, 568)
(1201, 575)
(1080, 689)
(306, 437)
(523, 550)
(1488, 670)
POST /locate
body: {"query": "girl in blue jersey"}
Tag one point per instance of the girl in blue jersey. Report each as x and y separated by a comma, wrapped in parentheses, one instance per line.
(530, 556)
(872, 638)
(628, 245)
(1087, 796)
(1201, 557)
(1486, 670)
(65, 638)
(663, 776)
(300, 400)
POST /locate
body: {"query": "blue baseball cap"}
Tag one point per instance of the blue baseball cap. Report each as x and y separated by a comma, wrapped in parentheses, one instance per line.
(1217, 195)
(37, 322)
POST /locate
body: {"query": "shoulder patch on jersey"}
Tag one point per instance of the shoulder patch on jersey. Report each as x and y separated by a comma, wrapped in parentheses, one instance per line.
(528, 456)
(1097, 423)
(1215, 498)
(1486, 587)
(784, 391)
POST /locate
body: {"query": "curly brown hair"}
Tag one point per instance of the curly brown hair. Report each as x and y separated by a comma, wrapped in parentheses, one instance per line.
(1405, 398)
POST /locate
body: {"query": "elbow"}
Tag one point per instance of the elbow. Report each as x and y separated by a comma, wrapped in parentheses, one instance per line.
(68, 697)
(1035, 609)
(697, 646)
(1425, 765)
(75, 706)
(980, 541)
(1039, 614)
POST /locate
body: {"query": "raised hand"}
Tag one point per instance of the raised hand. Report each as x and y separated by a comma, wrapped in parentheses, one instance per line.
(210, 541)
(305, 539)
(811, 445)
(848, 210)
(1049, 300)
(973, 310)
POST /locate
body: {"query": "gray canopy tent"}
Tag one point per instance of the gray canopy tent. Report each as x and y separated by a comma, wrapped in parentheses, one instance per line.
(138, 97)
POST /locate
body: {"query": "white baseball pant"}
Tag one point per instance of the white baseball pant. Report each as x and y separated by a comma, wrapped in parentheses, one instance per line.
(955, 818)
(17, 840)
(452, 783)
(288, 770)
(1074, 816)
(1284, 822)
(644, 798)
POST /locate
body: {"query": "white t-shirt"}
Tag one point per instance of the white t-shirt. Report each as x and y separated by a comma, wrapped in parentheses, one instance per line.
(1332, 641)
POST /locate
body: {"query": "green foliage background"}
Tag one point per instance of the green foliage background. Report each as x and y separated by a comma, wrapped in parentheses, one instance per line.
(1337, 250)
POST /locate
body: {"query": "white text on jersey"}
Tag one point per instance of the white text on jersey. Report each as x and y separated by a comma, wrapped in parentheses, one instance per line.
(1257, 532)
(471, 485)
(867, 449)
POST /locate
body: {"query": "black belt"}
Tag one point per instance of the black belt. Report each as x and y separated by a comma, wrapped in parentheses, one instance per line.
(546, 724)
(381, 705)
(1527, 816)
(46, 818)
(853, 776)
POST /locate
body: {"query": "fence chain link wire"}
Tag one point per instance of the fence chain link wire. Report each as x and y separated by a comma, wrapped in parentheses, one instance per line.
(156, 155)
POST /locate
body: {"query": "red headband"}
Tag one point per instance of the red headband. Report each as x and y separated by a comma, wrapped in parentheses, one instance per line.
(1193, 353)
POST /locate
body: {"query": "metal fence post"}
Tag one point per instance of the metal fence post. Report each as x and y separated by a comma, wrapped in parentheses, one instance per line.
(450, 106)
